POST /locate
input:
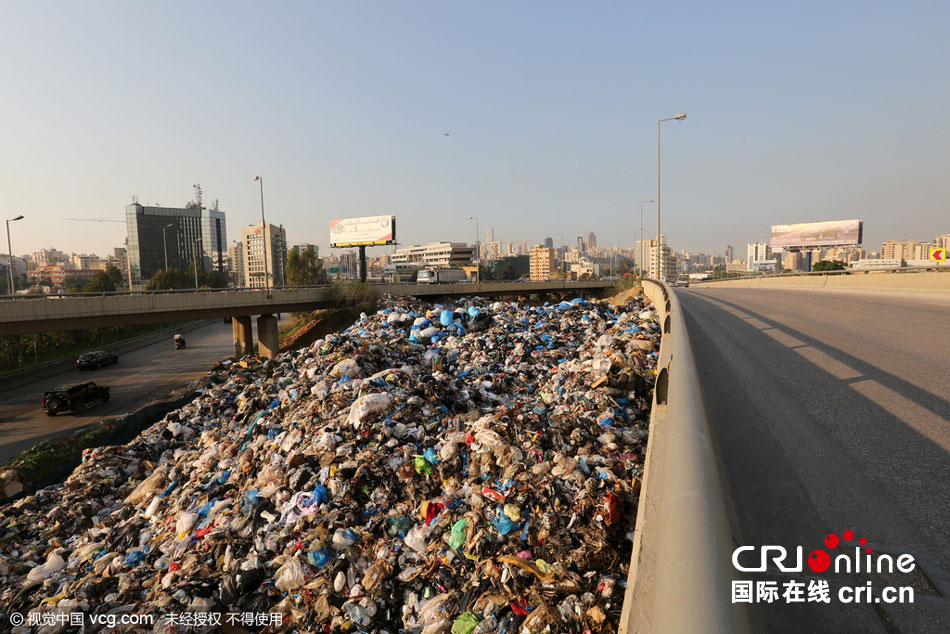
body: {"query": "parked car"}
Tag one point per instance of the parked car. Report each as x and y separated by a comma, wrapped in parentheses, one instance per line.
(74, 398)
(96, 359)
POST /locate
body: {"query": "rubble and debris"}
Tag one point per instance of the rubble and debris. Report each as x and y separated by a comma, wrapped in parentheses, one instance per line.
(463, 468)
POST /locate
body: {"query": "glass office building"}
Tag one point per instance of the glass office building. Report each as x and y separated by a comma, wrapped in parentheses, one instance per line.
(179, 237)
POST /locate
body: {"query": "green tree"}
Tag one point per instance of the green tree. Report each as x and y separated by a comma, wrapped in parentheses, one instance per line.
(170, 279)
(115, 275)
(508, 271)
(303, 268)
(828, 265)
(100, 282)
(486, 273)
(74, 284)
(626, 265)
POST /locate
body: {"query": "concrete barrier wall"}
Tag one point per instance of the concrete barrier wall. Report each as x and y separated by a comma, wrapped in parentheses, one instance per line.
(681, 568)
(25, 314)
(924, 283)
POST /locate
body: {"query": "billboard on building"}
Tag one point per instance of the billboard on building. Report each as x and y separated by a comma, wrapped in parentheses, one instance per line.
(366, 231)
(817, 234)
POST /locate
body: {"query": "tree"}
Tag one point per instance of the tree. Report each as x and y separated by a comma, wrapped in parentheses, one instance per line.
(115, 275)
(100, 282)
(828, 265)
(508, 272)
(304, 268)
(486, 273)
(626, 265)
(170, 279)
(74, 284)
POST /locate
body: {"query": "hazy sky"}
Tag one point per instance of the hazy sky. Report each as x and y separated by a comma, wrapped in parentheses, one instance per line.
(797, 111)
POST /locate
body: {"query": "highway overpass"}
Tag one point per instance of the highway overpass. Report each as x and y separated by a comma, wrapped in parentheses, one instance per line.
(42, 313)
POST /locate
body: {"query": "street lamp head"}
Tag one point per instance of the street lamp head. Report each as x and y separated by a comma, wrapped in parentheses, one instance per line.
(680, 116)
(257, 178)
(17, 218)
(167, 226)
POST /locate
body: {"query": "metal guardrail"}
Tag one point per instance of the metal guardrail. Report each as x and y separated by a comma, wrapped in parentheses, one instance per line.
(681, 568)
(889, 269)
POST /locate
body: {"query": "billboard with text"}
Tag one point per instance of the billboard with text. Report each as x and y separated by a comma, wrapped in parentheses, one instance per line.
(817, 234)
(365, 231)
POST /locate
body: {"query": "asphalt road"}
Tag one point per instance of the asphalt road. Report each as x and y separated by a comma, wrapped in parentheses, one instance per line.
(832, 412)
(140, 376)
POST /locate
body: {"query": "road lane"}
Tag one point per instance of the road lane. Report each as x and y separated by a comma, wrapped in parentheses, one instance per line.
(140, 376)
(829, 412)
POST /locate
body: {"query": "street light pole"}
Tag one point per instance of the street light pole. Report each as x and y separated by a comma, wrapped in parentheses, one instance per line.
(678, 117)
(263, 234)
(12, 289)
(478, 253)
(197, 256)
(165, 244)
(642, 256)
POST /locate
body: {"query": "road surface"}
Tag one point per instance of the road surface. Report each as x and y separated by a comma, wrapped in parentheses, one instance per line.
(140, 376)
(832, 412)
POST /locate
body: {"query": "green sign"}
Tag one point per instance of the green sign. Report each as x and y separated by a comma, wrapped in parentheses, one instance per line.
(334, 269)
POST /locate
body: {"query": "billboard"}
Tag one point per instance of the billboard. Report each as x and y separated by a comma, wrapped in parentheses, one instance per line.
(366, 231)
(817, 234)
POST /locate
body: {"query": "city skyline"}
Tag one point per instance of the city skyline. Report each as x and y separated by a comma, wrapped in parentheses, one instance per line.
(549, 128)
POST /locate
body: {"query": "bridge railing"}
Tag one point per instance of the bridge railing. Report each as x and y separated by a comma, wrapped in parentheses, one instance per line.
(231, 289)
(681, 567)
(884, 269)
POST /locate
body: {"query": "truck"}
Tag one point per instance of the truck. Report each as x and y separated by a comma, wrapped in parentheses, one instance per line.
(440, 276)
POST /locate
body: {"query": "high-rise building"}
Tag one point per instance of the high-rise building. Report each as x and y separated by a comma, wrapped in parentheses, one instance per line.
(730, 253)
(591, 240)
(665, 268)
(580, 244)
(122, 262)
(757, 252)
(942, 242)
(236, 264)
(541, 263)
(264, 245)
(549, 243)
(195, 235)
(490, 234)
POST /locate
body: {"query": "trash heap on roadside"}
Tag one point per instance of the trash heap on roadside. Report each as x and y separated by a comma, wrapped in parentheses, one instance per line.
(464, 468)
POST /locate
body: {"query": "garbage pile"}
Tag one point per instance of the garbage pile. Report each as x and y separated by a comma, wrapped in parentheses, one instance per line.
(431, 469)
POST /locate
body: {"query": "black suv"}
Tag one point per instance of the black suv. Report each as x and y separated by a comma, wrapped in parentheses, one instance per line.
(74, 398)
(96, 359)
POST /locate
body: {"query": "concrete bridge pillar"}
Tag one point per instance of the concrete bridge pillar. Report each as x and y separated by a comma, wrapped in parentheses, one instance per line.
(268, 342)
(243, 337)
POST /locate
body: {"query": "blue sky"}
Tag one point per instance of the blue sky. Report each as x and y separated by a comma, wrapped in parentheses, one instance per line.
(804, 111)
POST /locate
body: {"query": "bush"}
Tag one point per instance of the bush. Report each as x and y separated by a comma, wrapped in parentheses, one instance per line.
(355, 296)
(626, 282)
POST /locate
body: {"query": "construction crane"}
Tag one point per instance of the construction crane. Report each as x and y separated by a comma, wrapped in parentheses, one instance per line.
(95, 220)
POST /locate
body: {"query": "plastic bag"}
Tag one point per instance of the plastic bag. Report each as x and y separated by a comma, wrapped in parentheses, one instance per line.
(289, 576)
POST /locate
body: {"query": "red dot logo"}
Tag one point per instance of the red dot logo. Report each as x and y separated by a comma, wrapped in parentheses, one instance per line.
(819, 560)
(848, 535)
(831, 540)
(862, 541)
